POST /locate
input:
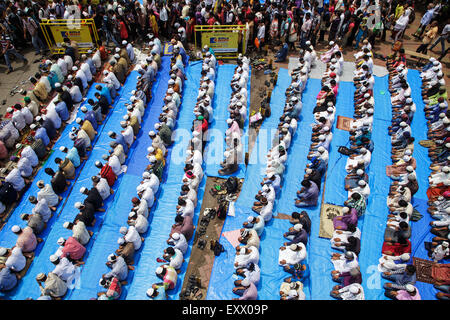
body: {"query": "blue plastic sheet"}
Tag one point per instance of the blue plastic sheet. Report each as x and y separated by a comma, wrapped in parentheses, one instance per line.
(164, 210)
(221, 281)
(117, 215)
(216, 144)
(41, 263)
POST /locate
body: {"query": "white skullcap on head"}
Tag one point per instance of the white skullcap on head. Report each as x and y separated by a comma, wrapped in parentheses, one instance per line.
(409, 288)
(242, 251)
(366, 95)
(152, 133)
(117, 56)
(150, 291)
(3, 251)
(345, 209)
(69, 77)
(245, 282)
(409, 169)
(405, 257)
(250, 219)
(105, 72)
(321, 149)
(298, 227)
(175, 236)
(408, 152)
(292, 293)
(146, 175)
(120, 241)
(293, 247)
(78, 205)
(406, 158)
(446, 169)
(322, 137)
(111, 257)
(360, 172)
(74, 68)
(124, 42)
(60, 241)
(152, 159)
(57, 85)
(354, 289)
(361, 183)
(66, 224)
(403, 124)
(159, 270)
(123, 230)
(15, 228)
(445, 243)
(331, 43)
(53, 258)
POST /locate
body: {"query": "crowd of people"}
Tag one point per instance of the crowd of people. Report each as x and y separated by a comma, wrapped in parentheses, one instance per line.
(63, 75)
(396, 249)
(181, 232)
(346, 235)
(131, 239)
(247, 252)
(237, 108)
(435, 98)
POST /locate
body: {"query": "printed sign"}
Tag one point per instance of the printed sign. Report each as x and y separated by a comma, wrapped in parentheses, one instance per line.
(221, 41)
(327, 213)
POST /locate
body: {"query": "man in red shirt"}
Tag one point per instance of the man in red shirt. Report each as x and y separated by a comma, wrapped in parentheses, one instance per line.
(72, 249)
(107, 173)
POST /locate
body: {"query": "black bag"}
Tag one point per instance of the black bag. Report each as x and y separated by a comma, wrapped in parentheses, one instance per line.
(345, 151)
(231, 184)
(217, 248)
(222, 210)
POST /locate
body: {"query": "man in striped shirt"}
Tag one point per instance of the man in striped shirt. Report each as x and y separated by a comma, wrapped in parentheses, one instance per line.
(7, 49)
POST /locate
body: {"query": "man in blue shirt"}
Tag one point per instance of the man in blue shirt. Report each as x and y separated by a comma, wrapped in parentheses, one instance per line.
(61, 109)
(8, 279)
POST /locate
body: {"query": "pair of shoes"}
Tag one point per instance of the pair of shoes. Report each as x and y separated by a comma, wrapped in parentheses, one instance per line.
(201, 244)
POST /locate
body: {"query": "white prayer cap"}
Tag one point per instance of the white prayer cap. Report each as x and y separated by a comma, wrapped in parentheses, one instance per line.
(405, 257)
(150, 149)
(98, 164)
(366, 95)
(242, 251)
(123, 124)
(345, 209)
(363, 150)
(175, 236)
(409, 169)
(33, 126)
(435, 63)
(130, 107)
(298, 227)
(123, 230)
(18, 145)
(89, 51)
(41, 183)
(53, 258)
(124, 42)
(360, 172)
(132, 98)
(78, 205)
(330, 109)
(292, 293)
(61, 241)
(169, 98)
(293, 247)
(57, 85)
(84, 109)
(74, 68)
(361, 183)
(432, 59)
(411, 177)
(409, 288)
(446, 169)
(250, 219)
(229, 121)
(322, 137)
(146, 175)
(170, 90)
(245, 282)
(159, 270)
(409, 100)
(66, 224)
(132, 214)
(150, 292)
(116, 56)
(105, 72)
(3, 251)
(38, 118)
(331, 43)
(403, 124)
(120, 241)
(78, 120)
(117, 50)
(171, 81)
(15, 228)
(354, 289)
(152, 159)
(111, 257)
(445, 244)
(408, 152)
(321, 149)
(126, 117)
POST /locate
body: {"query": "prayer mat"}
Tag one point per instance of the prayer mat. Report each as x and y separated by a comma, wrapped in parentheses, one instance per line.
(395, 169)
(344, 123)
(282, 216)
(423, 270)
(327, 213)
(427, 143)
(232, 237)
(441, 273)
